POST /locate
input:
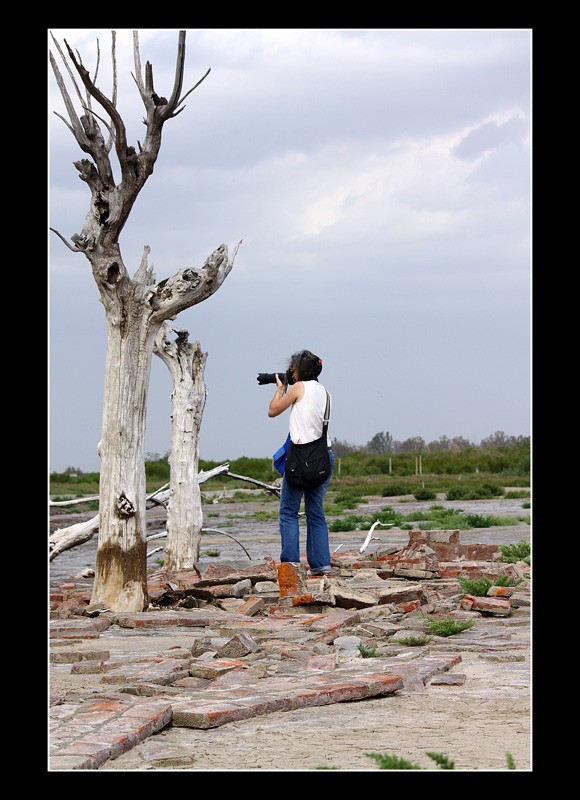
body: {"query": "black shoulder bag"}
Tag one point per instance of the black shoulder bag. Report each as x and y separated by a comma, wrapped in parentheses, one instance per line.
(308, 465)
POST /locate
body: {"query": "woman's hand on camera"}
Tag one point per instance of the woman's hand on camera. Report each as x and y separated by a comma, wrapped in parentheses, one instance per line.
(284, 396)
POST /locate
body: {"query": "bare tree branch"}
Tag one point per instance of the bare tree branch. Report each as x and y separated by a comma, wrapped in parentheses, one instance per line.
(193, 88)
(144, 274)
(75, 125)
(61, 237)
(68, 69)
(120, 132)
(191, 286)
(275, 490)
(166, 111)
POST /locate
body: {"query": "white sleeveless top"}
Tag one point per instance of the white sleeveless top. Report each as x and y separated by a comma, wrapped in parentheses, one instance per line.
(307, 415)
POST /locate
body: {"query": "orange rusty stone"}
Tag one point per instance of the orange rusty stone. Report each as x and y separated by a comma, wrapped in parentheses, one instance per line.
(291, 579)
(303, 599)
(410, 606)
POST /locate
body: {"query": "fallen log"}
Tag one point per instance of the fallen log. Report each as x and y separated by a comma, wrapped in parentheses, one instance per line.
(79, 533)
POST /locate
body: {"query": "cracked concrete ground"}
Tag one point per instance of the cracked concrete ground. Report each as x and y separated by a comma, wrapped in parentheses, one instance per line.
(474, 723)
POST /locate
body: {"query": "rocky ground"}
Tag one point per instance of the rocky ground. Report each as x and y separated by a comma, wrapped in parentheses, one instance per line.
(475, 724)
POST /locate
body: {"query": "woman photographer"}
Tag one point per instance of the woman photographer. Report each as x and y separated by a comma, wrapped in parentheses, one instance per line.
(306, 398)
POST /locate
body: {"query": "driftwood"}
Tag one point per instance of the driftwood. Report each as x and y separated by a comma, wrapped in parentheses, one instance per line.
(79, 533)
(65, 538)
(367, 541)
(272, 489)
(163, 535)
(74, 502)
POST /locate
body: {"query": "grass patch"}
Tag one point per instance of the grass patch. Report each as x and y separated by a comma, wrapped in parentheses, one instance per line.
(358, 522)
(511, 553)
(425, 494)
(388, 761)
(448, 626)
(412, 641)
(396, 489)
(483, 491)
(435, 518)
(265, 516)
(478, 587)
(368, 652)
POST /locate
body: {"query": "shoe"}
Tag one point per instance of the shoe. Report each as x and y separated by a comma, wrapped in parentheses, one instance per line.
(322, 573)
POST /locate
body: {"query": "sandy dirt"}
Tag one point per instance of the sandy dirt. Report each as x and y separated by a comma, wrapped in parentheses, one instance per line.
(474, 724)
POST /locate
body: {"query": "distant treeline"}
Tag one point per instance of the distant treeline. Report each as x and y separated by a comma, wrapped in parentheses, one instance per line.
(496, 454)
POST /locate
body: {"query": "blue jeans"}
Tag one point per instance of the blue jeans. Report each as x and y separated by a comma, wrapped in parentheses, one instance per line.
(317, 546)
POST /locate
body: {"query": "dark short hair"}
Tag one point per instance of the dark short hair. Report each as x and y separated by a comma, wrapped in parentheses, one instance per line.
(307, 365)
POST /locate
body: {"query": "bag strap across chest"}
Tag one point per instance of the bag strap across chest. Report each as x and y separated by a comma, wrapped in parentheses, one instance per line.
(326, 414)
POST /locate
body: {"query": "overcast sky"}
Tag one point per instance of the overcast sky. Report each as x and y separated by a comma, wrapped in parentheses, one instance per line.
(380, 182)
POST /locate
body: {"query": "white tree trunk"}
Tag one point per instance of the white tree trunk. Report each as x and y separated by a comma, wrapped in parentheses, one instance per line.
(121, 565)
(186, 364)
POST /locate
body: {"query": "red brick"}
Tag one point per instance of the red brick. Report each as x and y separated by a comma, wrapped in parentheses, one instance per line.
(251, 606)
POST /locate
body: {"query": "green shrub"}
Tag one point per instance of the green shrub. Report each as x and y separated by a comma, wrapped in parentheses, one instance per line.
(483, 491)
(412, 641)
(265, 516)
(478, 587)
(511, 553)
(503, 580)
(387, 761)
(446, 522)
(395, 489)
(424, 494)
(368, 652)
(477, 521)
(441, 760)
(157, 470)
(359, 522)
(448, 626)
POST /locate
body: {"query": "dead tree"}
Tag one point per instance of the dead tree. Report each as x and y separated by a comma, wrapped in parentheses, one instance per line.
(186, 364)
(135, 308)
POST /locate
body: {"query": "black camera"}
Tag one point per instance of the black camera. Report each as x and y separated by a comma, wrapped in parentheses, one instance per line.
(270, 377)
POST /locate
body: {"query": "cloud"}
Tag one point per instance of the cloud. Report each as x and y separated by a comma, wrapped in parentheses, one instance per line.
(380, 182)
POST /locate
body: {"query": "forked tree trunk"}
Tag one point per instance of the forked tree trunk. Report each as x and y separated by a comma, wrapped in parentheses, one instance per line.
(135, 309)
(186, 364)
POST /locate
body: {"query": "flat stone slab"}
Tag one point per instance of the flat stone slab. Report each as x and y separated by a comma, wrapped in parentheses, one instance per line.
(86, 734)
(281, 694)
